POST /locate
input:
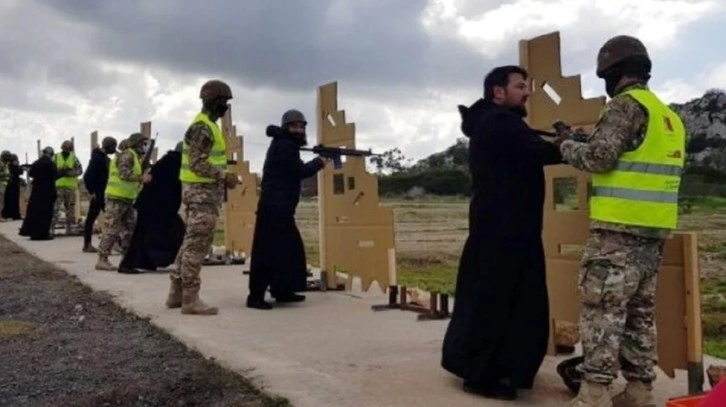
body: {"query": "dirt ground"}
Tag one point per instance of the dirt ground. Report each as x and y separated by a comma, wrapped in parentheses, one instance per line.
(63, 344)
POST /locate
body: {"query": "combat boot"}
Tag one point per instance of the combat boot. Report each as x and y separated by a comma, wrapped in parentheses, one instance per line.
(636, 394)
(592, 395)
(104, 265)
(174, 300)
(88, 248)
(193, 305)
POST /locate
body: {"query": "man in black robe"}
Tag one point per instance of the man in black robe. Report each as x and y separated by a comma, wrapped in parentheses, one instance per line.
(497, 337)
(278, 254)
(95, 179)
(159, 229)
(39, 214)
(11, 205)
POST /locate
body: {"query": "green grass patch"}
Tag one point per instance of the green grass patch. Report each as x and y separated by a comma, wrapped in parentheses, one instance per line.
(706, 204)
(715, 347)
(218, 237)
(440, 279)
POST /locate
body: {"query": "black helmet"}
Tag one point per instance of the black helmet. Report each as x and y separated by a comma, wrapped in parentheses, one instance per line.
(292, 116)
(108, 143)
(620, 49)
(214, 89)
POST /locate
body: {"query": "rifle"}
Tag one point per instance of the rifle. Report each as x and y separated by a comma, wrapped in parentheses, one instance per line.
(334, 153)
(146, 162)
(561, 128)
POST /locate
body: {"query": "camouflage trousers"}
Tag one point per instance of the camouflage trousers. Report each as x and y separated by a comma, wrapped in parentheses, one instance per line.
(201, 221)
(67, 198)
(120, 223)
(617, 325)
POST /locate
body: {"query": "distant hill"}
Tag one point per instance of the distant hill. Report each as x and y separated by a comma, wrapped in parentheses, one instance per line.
(446, 172)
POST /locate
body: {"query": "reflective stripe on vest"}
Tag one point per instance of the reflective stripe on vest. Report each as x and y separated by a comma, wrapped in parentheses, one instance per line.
(69, 163)
(643, 188)
(217, 157)
(117, 187)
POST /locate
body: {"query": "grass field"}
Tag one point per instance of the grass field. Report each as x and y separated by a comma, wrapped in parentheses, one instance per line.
(430, 234)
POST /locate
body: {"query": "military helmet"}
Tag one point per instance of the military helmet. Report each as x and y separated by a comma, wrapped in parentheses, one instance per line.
(214, 89)
(48, 150)
(5, 155)
(123, 145)
(67, 146)
(619, 49)
(292, 116)
(108, 143)
(135, 140)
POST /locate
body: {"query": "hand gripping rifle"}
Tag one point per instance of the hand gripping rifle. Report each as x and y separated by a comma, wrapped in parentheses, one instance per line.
(334, 153)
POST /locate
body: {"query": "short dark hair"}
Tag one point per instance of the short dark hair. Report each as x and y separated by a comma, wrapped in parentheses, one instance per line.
(499, 76)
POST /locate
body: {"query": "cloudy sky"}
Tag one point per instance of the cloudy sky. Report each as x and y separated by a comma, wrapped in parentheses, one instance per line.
(68, 67)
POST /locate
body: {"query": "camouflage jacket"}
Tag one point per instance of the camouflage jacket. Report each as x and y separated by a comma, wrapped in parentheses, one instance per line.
(201, 141)
(621, 128)
(126, 166)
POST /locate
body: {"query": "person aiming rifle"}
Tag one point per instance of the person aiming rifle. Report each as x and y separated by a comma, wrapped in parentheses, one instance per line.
(278, 255)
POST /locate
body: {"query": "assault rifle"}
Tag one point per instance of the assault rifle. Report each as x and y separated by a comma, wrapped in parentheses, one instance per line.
(146, 162)
(334, 153)
(561, 127)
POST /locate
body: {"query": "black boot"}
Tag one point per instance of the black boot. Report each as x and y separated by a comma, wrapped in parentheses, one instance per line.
(500, 390)
(258, 303)
(289, 297)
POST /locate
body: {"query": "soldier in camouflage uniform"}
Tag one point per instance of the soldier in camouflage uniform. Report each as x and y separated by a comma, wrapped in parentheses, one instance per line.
(4, 177)
(635, 154)
(204, 176)
(69, 168)
(124, 183)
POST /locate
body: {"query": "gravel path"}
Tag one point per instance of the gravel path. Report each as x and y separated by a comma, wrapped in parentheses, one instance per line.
(64, 345)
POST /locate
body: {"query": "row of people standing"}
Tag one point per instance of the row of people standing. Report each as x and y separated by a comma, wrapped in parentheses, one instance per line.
(201, 167)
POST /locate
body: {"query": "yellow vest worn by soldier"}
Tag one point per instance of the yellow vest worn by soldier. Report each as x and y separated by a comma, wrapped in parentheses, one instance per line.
(217, 157)
(643, 189)
(66, 163)
(117, 187)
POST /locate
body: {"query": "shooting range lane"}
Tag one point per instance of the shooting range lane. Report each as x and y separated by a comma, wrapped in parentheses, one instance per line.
(331, 350)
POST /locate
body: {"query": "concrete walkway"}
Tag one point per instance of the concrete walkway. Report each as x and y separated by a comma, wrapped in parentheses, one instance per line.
(331, 350)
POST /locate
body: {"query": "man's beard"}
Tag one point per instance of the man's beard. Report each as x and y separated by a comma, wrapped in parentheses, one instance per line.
(520, 110)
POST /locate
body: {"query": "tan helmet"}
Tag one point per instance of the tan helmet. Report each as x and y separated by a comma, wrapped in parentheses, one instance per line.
(618, 49)
(214, 89)
(135, 140)
(67, 146)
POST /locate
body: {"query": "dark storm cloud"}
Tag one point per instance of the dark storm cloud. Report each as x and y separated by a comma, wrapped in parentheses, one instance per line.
(291, 44)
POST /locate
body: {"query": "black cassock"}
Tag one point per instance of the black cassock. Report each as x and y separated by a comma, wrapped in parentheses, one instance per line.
(278, 254)
(11, 204)
(39, 213)
(500, 323)
(159, 230)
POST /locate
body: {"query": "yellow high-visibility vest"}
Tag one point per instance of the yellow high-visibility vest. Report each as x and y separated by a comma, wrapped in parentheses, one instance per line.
(643, 189)
(66, 163)
(117, 187)
(217, 157)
